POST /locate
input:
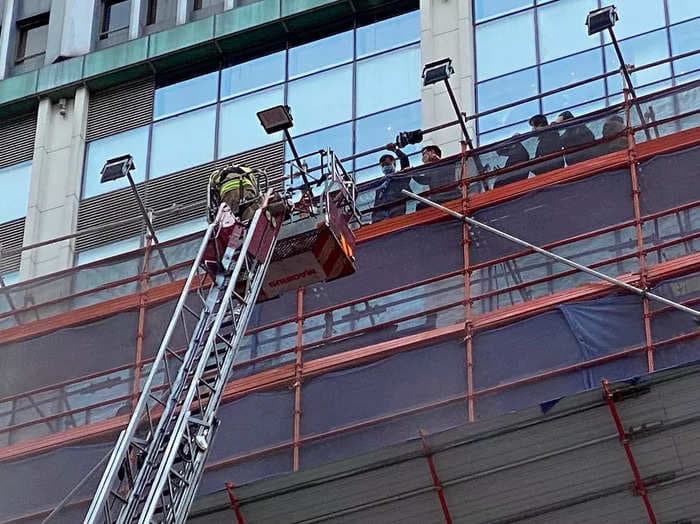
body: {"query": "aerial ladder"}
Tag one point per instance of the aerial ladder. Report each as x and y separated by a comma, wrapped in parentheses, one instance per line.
(155, 468)
(158, 460)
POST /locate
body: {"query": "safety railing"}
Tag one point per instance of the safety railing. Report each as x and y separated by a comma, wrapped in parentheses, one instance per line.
(495, 282)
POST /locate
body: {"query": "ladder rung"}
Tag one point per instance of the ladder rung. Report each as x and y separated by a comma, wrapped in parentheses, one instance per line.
(179, 476)
(156, 399)
(205, 383)
(118, 496)
(198, 421)
(174, 354)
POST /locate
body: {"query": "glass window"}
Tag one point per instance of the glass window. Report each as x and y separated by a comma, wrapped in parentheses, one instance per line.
(313, 108)
(115, 17)
(253, 74)
(160, 11)
(239, 127)
(337, 138)
(488, 8)
(133, 142)
(684, 38)
(109, 250)
(183, 141)
(504, 90)
(567, 71)
(320, 54)
(679, 10)
(641, 50)
(388, 34)
(561, 28)
(203, 4)
(10, 278)
(32, 41)
(388, 80)
(506, 132)
(376, 130)
(195, 92)
(634, 19)
(505, 45)
(182, 229)
(14, 187)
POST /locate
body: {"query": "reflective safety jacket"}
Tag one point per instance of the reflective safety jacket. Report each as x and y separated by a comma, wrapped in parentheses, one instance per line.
(231, 177)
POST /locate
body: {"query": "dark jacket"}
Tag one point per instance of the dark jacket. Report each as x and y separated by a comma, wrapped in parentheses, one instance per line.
(390, 192)
(515, 153)
(576, 136)
(548, 142)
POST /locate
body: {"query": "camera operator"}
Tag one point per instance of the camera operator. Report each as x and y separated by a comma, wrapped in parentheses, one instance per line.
(390, 189)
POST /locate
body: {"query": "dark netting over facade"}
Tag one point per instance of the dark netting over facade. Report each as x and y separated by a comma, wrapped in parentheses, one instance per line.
(441, 325)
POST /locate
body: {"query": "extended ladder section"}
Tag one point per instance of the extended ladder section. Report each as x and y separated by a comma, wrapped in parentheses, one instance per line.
(157, 463)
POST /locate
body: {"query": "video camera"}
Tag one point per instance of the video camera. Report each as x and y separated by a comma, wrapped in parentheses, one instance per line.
(409, 137)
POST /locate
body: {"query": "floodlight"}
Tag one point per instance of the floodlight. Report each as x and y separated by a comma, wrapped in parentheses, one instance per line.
(279, 118)
(275, 119)
(438, 71)
(120, 167)
(601, 19)
(117, 168)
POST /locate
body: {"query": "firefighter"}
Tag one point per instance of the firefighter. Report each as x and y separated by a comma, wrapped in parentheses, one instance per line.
(237, 187)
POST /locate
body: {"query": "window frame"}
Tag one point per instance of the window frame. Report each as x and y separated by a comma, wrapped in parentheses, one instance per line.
(23, 28)
(107, 6)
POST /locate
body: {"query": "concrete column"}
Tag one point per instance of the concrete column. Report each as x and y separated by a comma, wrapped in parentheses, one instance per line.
(72, 28)
(135, 19)
(446, 32)
(54, 192)
(6, 50)
(183, 9)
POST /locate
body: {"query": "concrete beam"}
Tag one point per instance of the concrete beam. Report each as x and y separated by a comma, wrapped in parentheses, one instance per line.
(54, 192)
(446, 32)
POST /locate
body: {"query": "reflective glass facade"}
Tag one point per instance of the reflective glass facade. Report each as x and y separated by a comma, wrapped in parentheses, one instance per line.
(547, 47)
(349, 91)
(14, 187)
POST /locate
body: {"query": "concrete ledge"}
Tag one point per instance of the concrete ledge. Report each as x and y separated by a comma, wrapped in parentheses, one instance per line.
(240, 30)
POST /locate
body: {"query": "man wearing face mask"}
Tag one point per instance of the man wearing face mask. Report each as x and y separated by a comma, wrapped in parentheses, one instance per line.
(390, 190)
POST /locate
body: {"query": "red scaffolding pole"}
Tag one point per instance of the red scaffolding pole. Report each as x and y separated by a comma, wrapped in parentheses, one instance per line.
(234, 502)
(437, 484)
(639, 487)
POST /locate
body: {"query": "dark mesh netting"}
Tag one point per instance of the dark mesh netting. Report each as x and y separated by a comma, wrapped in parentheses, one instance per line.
(575, 333)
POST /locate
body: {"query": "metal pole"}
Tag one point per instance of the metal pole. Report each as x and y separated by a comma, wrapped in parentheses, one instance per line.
(628, 80)
(558, 258)
(302, 167)
(149, 224)
(80, 484)
(458, 112)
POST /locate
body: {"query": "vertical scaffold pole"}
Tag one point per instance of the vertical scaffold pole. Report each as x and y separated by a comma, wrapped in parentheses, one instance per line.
(437, 484)
(639, 486)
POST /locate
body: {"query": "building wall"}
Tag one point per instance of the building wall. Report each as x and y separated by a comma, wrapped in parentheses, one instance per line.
(523, 50)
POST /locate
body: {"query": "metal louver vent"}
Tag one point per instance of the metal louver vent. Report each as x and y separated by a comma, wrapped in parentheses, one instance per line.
(183, 192)
(120, 109)
(106, 209)
(11, 235)
(17, 140)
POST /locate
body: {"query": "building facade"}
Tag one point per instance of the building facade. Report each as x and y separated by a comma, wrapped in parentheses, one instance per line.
(442, 325)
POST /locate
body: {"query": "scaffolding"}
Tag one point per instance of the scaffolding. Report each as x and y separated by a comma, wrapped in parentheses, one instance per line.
(295, 361)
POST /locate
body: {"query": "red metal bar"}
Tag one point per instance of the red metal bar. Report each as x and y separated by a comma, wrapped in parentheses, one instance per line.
(234, 502)
(469, 357)
(140, 330)
(640, 488)
(437, 485)
(643, 283)
(298, 372)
